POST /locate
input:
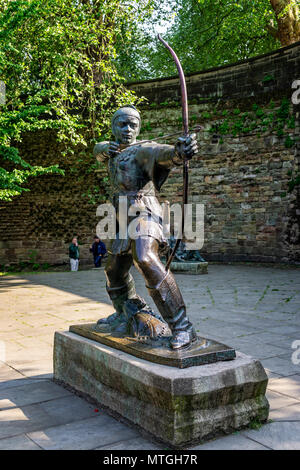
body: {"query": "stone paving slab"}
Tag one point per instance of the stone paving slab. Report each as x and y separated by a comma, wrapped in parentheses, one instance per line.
(14, 421)
(8, 373)
(21, 420)
(277, 400)
(7, 384)
(34, 369)
(285, 329)
(21, 442)
(29, 394)
(288, 413)
(278, 435)
(83, 435)
(138, 443)
(281, 366)
(288, 386)
(296, 334)
(261, 350)
(233, 442)
(252, 308)
(272, 375)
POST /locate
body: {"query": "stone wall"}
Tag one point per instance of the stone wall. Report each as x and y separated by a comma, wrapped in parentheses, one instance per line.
(248, 160)
(39, 225)
(245, 171)
(244, 182)
(268, 75)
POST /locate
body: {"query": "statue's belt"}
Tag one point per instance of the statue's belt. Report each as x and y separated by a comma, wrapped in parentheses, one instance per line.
(137, 194)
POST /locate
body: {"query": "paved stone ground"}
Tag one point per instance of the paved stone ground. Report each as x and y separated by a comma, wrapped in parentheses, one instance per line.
(255, 309)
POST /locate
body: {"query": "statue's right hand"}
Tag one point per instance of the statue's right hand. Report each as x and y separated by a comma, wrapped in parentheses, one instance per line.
(113, 149)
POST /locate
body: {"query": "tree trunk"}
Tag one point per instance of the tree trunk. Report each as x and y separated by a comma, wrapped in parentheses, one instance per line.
(288, 21)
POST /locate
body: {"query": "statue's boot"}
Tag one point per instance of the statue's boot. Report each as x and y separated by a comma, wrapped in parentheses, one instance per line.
(169, 301)
(119, 295)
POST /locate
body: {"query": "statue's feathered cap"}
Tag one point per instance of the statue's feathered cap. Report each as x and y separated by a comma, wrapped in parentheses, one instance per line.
(130, 110)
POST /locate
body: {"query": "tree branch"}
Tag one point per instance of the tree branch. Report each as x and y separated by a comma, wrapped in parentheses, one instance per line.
(272, 30)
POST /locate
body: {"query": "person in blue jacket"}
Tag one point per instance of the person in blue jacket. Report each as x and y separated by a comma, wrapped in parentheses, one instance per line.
(98, 249)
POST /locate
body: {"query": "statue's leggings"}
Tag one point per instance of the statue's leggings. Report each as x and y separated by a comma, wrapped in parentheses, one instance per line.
(161, 285)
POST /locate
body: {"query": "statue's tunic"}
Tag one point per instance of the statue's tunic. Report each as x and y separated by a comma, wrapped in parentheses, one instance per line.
(136, 173)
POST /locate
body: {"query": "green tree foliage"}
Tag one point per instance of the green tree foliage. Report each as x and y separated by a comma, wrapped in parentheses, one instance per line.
(57, 62)
(222, 31)
(204, 33)
(137, 54)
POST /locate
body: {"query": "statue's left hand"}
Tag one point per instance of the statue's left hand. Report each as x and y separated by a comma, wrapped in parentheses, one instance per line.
(187, 146)
(113, 148)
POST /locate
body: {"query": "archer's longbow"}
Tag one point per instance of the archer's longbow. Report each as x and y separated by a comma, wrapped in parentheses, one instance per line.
(185, 124)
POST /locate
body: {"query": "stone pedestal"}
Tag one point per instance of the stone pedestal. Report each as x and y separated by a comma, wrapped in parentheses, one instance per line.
(189, 267)
(178, 406)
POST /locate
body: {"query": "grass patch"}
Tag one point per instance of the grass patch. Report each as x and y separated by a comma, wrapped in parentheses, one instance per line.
(255, 424)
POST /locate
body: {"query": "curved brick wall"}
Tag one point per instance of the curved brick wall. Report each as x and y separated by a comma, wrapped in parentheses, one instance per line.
(243, 179)
(245, 79)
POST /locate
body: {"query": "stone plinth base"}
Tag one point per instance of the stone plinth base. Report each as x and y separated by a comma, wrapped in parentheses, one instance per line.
(191, 267)
(178, 406)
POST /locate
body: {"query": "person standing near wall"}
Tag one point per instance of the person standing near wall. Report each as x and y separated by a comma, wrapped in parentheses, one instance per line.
(74, 254)
(98, 249)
